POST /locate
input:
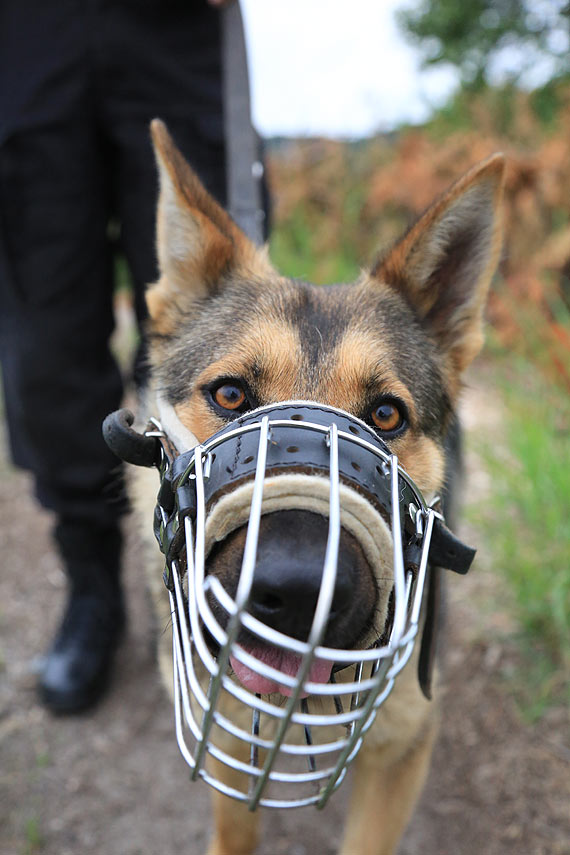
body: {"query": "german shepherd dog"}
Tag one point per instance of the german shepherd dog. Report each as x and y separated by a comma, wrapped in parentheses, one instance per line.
(227, 333)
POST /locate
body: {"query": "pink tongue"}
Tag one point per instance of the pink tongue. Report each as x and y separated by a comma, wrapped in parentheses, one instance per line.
(287, 663)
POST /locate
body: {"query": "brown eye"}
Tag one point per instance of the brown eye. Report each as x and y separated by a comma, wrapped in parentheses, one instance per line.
(229, 396)
(387, 416)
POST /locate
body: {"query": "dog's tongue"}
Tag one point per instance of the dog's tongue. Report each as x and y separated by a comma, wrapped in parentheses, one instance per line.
(287, 663)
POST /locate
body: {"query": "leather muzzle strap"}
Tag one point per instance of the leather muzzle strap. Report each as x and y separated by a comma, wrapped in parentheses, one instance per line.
(428, 646)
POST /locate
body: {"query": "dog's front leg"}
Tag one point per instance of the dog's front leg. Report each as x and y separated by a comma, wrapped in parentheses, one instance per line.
(235, 827)
(384, 793)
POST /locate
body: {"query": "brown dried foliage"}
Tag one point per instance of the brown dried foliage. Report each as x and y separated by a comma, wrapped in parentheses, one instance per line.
(389, 181)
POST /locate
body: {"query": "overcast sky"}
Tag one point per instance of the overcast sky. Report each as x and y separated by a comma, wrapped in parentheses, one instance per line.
(336, 68)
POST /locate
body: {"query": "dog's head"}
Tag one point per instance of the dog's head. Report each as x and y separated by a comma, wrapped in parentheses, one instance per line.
(229, 334)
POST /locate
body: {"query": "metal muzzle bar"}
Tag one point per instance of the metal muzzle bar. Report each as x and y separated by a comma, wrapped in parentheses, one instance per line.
(293, 746)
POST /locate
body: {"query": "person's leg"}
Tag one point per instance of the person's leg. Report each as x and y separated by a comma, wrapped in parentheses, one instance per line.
(161, 60)
(60, 379)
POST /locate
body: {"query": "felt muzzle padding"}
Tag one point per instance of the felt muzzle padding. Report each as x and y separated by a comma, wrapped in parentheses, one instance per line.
(310, 493)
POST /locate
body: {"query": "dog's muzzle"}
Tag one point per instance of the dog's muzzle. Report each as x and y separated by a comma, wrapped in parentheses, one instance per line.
(257, 657)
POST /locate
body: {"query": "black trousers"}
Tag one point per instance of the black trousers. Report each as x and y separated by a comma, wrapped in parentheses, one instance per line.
(80, 81)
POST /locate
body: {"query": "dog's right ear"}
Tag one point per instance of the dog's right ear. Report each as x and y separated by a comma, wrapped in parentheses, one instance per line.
(198, 243)
(443, 265)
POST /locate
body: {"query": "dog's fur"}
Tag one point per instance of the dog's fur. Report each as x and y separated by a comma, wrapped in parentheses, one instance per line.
(406, 329)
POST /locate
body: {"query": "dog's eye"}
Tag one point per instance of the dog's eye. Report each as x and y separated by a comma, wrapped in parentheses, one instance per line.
(229, 396)
(388, 417)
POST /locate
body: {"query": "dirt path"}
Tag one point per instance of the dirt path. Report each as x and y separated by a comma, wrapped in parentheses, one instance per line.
(113, 782)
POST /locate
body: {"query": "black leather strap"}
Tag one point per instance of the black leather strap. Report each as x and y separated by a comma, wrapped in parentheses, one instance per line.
(296, 448)
(446, 550)
(244, 169)
(126, 443)
(292, 450)
(235, 461)
(431, 629)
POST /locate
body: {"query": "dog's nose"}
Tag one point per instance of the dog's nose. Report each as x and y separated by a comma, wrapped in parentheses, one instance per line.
(289, 570)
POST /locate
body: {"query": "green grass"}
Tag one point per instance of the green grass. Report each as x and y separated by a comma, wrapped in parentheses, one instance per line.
(43, 760)
(527, 524)
(34, 839)
(293, 251)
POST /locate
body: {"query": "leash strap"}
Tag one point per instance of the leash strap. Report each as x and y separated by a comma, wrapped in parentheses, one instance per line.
(243, 166)
(430, 633)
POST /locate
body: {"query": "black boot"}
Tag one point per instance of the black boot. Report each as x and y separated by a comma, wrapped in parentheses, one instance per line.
(78, 666)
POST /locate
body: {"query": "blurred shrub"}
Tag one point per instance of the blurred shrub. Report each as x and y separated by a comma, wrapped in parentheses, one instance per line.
(526, 524)
(337, 204)
(475, 36)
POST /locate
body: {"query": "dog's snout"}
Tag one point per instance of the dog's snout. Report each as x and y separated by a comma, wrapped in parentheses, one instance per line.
(296, 593)
(289, 571)
(288, 576)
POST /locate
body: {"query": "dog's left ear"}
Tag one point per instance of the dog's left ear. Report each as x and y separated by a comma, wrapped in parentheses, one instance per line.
(198, 244)
(444, 264)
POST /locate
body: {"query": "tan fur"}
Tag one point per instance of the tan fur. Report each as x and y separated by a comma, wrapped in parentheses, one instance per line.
(423, 460)
(440, 272)
(143, 490)
(279, 345)
(384, 794)
(236, 828)
(356, 358)
(196, 240)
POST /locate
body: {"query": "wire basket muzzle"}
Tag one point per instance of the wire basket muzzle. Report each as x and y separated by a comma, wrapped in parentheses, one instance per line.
(288, 748)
